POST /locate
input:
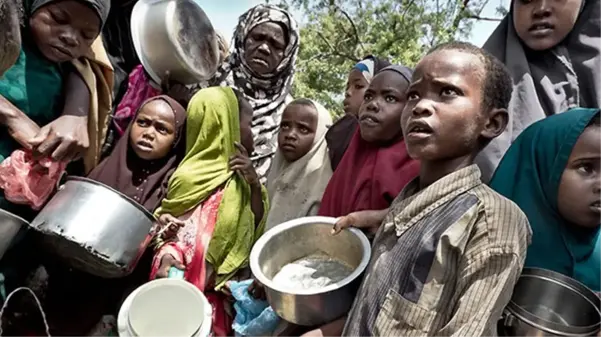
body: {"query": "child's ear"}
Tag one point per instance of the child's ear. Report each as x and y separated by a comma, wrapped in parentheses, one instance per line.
(496, 124)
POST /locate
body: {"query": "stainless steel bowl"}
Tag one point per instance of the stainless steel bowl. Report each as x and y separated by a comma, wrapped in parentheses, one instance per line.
(94, 228)
(299, 238)
(546, 303)
(10, 225)
(174, 36)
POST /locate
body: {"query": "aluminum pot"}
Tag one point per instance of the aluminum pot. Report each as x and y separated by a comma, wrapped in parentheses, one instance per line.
(10, 225)
(546, 303)
(299, 238)
(94, 228)
(174, 36)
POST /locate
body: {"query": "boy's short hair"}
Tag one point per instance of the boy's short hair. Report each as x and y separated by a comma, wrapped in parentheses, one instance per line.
(303, 101)
(497, 82)
(11, 19)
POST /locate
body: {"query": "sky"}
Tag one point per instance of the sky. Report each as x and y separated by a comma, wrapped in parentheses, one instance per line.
(224, 17)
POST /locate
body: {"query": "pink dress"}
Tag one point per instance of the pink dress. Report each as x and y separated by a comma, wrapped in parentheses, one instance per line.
(139, 89)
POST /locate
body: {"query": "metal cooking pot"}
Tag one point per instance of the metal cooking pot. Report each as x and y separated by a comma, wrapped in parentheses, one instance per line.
(10, 225)
(174, 36)
(94, 228)
(546, 303)
(299, 238)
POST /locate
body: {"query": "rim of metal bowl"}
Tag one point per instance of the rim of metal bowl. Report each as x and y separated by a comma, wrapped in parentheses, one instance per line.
(258, 273)
(23, 221)
(134, 203)
(548, 326)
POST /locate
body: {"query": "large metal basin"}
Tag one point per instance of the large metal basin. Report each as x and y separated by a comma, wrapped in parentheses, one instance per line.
(94, 228)
(174, 36)
(299, 238)
(546, 303)
(10, 225)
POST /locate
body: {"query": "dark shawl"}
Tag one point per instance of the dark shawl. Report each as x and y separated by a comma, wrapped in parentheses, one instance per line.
(340, 133)
(141, 180)
(546, 82)
(101, 7)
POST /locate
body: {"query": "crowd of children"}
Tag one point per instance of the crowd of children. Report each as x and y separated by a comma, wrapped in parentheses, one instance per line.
(462, 171)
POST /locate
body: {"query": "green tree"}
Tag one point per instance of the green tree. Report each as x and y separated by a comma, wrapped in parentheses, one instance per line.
(335, 34)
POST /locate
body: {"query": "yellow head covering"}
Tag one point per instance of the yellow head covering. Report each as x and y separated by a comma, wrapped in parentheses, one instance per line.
(213, 125)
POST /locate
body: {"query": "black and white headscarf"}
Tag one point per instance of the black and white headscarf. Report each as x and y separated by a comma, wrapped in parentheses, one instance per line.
(268, 94)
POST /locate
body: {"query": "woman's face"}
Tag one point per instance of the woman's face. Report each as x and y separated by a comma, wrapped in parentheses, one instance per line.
(579, 194)
(264, 47)
(297, 131)
(153, 131)
(542, 24)
(64, 30)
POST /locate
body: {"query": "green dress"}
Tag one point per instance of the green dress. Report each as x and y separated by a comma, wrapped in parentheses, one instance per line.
(34, 85)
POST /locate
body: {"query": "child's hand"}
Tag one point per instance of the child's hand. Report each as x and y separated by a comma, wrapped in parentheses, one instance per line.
(177, 91)
(257, 290)
(242, 165)
(365, 220)
(170, 225)
(168, 261)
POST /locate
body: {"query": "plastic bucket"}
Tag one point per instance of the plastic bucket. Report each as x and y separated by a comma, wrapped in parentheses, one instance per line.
(166, 307)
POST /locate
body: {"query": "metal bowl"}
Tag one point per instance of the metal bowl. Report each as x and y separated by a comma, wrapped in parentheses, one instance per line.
(94, 228)
(174, 36)
(299, 238)
(10, 225)
(546, 303)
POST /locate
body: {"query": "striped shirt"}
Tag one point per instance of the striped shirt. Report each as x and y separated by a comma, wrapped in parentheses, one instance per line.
(444, 262)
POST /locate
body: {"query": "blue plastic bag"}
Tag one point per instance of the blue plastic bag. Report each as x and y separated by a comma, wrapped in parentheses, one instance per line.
(253, 317)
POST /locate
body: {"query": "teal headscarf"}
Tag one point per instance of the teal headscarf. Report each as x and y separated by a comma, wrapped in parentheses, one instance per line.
(529, 175)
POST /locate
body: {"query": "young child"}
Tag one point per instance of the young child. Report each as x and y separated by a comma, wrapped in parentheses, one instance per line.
(552, 50)
(555, 178)
(339, 135)
(301, 169)
(10, 33)
(141, 164)
(214, 198)
(376, 153)
(450, 250)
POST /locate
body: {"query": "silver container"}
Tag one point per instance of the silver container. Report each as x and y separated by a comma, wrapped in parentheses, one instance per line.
(10, 225)
(546, 303)
(174, 36)
(299, 238)
(94, 228)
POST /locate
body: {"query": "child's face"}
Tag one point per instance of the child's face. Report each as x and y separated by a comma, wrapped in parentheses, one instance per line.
(353, 94)
(297, 131)
(246, 133)
(578, 197)
(64, 30)
(382, 106)
(542, 24)
(153, 131)
(442, 118)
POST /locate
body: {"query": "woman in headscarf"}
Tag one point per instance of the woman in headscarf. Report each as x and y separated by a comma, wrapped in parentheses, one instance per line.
(261, 66)
(214, 198)
(340, 134)
(376, 166)
(552, 51)
(301, 168)
(552, 171)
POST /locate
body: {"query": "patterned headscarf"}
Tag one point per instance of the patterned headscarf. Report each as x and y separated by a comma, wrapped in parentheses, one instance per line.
(268, 93)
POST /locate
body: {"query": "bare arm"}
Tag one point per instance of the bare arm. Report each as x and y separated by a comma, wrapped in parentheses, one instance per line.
(256, 202)
(77, 96)
(20, 127)
(366, 220)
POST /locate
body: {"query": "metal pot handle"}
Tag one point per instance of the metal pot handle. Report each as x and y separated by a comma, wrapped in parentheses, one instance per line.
(37, 301)
(60, 183)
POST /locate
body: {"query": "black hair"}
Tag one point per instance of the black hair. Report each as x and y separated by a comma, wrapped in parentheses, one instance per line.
(497, 84)
(303, 101)
(11, 19)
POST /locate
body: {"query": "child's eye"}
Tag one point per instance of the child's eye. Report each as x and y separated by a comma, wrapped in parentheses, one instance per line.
(284, 126)
(58, 17)
(412, 95)
(142, 122)
(367, 97)
(586, 169)
(358, 87)
(391, 99)
(450, 92)
(304, 130)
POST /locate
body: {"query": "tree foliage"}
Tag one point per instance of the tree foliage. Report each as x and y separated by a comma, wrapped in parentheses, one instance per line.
(335, 34)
